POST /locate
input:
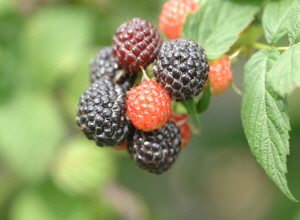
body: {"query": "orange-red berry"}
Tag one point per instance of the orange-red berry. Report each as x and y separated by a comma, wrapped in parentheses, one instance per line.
(220, 74)
(148, 106)
(173, 14)
(182, 123)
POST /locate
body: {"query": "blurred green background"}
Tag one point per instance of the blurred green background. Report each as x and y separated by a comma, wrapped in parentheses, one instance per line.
(50, 171)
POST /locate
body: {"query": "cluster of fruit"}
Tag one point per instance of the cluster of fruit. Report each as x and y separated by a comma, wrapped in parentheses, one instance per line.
(120, 110)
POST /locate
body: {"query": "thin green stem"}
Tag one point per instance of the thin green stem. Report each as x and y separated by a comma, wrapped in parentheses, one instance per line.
(235, 54)
(265, 46)
(261, 46)
(236, 89)
(282, 48)
(145, 76)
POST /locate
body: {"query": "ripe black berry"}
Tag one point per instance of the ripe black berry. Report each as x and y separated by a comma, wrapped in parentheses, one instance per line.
(155, 151)
(181, 68)
(104, 64)
(101, 113)
(136, 44)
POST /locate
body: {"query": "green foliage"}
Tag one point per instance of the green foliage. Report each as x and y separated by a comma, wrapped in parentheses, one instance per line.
(49, 203)
(80, 168)
(276, 18)
(248, 38)
(57, 39)
(269, 76)
(49, 172)
(203, 103)
(265, 119)
(294, 27)
(209, 25)
(191, 108)
(32, 130)
(285, 73)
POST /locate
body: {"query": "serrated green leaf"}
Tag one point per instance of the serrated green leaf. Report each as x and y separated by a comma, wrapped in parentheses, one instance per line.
(284, 76)
(192, 111)
(203, 103)
(31, 129)
(275, 19)
(265, 119)
(217, 24)
(81, 168)
(294, 28)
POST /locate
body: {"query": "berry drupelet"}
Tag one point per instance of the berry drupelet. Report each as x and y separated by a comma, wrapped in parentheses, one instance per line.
(155, 151)
(101, 113)
(181, 68)
(148, 106)
(104, 65)
(220, 74)
(136, 44)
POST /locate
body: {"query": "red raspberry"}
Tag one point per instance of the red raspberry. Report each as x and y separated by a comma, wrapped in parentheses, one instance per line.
(220, 74)
(173, 14)
(148, 106)
(136, 44)
(181, 121)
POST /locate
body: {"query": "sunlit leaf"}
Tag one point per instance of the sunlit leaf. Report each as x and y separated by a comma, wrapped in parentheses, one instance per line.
(31, 130)
(284, 75)
(276, 18)
(81, 167)
(217, 24)
(55, 41)
(265, 119)
(294, 28)
(48, 203)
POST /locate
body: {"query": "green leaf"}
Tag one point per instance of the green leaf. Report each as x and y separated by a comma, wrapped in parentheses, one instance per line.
(247, 38)
(81, 167)
(31, 130)
(48, 203)
(203, 103)
(294, 28)
(275, 19)
(284, 76)
(202, 1)
(55, 43)
(217, 24)
(192, 111)
(265, 119)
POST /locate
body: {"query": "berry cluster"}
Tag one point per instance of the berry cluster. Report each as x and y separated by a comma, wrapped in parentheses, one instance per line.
(124, 111)
(171, 19)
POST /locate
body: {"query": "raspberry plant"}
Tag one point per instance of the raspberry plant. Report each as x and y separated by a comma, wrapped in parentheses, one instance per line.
(45, 48)
(270, 75)
(181, 68)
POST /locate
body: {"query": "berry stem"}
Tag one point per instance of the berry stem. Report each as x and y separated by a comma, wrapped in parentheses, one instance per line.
(282, 48)
(265, 46)
(118, 75)
(261, 46)
(235, 54)
(145, 76)
(181, 122)
(236, 89)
